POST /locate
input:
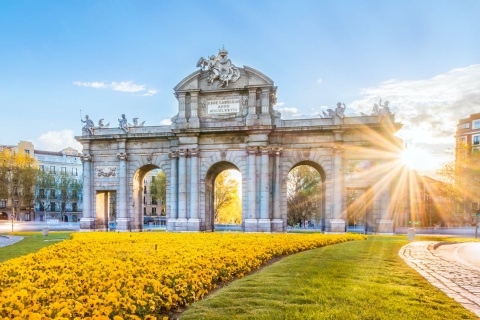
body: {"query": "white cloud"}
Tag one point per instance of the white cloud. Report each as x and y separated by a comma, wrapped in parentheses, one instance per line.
(57, 140)
(166, 122)
(429, 108)
(123, 86)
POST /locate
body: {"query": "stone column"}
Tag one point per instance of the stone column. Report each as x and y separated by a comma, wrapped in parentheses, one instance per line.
(264, 221)
(252, 107)
(173, 214)
(265, 98)
(251, 192)
(277, 222)
(181, 224)
(88, 217)
(337, 224)
(194, 221)
(123, 221)
(194, 121)
(384, 221)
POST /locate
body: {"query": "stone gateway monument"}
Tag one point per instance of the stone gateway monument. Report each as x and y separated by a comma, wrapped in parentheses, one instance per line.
(226, 120)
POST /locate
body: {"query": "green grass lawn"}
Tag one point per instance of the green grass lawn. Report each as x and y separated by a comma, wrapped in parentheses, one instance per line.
(32, 242)
(353, 280)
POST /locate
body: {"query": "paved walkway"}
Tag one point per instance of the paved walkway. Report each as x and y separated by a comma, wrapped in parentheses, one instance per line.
(8, 240)
(443, 269)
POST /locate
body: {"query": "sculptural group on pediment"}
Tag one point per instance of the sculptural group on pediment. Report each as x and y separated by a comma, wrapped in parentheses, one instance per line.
(379, 110)
(220, 68)
(89, 126)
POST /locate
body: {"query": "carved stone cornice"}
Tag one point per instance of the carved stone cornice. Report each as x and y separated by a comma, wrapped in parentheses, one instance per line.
(122, 156)
(86, 157)
(106, 171)
(252, 150)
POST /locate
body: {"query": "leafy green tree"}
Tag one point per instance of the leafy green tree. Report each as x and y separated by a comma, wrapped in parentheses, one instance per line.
(18, 172)
(158, 189)
(304, 195)
(227, 203)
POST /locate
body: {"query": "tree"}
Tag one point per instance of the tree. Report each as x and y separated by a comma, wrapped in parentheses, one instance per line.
(18, 172)
(158, 189)
(304, 195)
(227, 203)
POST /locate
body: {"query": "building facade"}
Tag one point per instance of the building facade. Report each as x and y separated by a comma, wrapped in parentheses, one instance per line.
(226, 120)
(467, 161)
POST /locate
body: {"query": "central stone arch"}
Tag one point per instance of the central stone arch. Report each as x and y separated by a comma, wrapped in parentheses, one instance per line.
(226, 118)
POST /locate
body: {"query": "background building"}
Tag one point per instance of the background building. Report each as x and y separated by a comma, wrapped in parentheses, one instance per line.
(467, 162)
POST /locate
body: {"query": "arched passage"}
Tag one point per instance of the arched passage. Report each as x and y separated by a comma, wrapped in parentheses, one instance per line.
(148, 208)
(306, 196)
(212, 174)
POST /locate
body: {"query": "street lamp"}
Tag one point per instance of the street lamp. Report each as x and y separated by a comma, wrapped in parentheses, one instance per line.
(14, 211)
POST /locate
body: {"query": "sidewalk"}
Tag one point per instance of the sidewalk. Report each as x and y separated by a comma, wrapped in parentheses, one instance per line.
(442, 269)
(8, 240)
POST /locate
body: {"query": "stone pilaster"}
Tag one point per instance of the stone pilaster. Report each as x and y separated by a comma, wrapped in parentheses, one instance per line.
(87, 222)
(181, 108)
(251, 205)
(252, 107)
(194, 121)
(337, 224)
(266, 118)
(277, 222)
(264, 221)
(123, 221)
(193, 219)
(181, 224)
(173, 214)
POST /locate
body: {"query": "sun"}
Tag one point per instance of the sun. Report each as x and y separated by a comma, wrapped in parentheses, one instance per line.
(418, 159)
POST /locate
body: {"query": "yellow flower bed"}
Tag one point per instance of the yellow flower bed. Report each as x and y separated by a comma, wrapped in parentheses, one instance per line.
(136, 275)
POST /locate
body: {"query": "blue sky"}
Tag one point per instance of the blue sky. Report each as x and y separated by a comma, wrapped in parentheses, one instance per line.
(112, 57)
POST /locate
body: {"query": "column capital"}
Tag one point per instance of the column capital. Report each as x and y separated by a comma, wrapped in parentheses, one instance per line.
(265, 150)
(194, 152)
(173, 154)
(122, 156)
(86, 157)
(182, 153)
(277, 151)
(252, 150)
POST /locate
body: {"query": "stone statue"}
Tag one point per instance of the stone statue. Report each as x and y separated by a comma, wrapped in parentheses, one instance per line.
(101, 125)
(89, 126)
(339, 110)
(136, 124)
(123, 123)
(380, 109)
(220, 67)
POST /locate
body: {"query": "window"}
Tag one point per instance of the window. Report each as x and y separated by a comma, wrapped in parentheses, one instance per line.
(42, 167)
(41, 193)
(476, 139)
(74, 207)
(74, 194)
(26, 151)
(52, 193)
(153, 179)
(64, 206)
(462, 140)
(3, 204)
(154, 201)
(27, 216)
(52, 169)
(475, 124)
(74, 172)
(42, 207)
(52, 206)
(465, 125)
(154, 211)
(63, 170)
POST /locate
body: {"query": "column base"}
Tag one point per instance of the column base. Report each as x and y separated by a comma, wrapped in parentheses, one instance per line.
(181, 225)
(336, 226)
(171, 224)
(277, 225)
(264, 225)
(250, 225)
(193, 225)
(87, 224)
(123, 224)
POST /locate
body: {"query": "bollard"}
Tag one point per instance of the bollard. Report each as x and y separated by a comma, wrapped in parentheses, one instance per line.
(411, 234)
(45, 231)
